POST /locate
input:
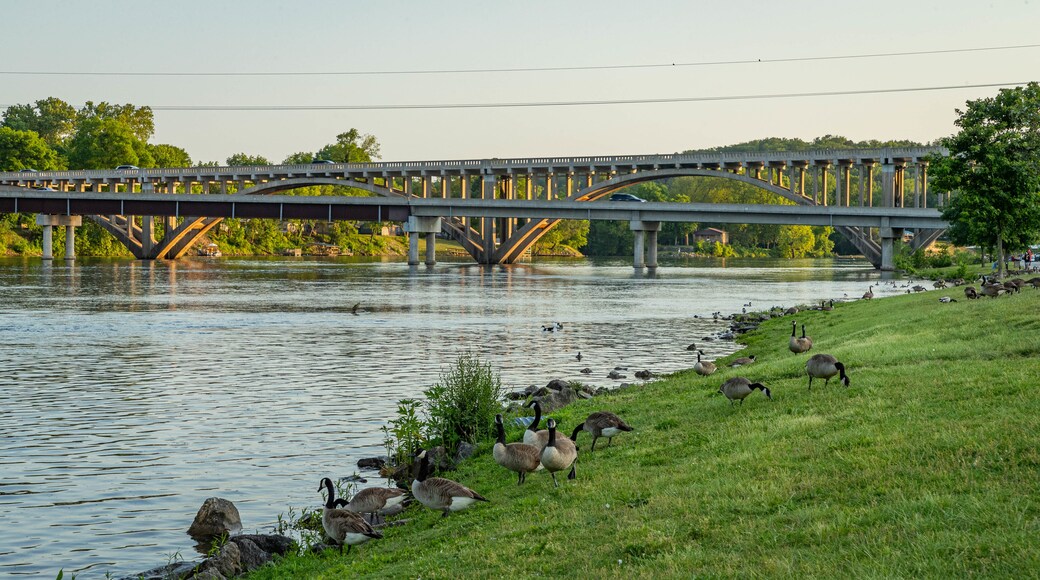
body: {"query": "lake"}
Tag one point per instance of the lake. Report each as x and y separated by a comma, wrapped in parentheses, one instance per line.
(132, 391)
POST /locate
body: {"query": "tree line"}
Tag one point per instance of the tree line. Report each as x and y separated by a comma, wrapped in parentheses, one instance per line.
(994, 166)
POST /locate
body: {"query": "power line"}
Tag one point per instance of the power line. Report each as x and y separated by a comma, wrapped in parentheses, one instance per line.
(521, 69)
(569, 103)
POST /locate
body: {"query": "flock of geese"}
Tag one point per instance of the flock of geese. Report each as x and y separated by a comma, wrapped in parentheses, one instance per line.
(819, 366)
(551, 451)
(541, 449)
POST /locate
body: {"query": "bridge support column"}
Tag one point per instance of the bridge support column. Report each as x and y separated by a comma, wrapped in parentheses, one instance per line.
(640, 229)
(48, 222)
(147, 233)
(887, 235)
(429, 226)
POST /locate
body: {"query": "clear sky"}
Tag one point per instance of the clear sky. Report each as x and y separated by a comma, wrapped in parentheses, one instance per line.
(336, 36)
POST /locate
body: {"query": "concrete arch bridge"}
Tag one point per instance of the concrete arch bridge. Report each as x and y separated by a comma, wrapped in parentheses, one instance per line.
(874, 179)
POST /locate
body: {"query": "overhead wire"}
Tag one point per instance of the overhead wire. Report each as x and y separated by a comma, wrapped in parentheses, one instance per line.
(518, 69)
(406, 106)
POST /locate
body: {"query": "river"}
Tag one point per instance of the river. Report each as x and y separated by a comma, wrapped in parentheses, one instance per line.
(132, 391)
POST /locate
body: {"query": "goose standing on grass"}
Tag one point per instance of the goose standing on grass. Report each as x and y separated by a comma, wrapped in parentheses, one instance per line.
(381, 501)
(519, 457)
(804, 342)
(703, 368)
(738, 388)
(438, 493)
(825, 366)
(559, 453)
(869, 293)
(742, 361)
(532, 435)
(344, 526)
(601, 424)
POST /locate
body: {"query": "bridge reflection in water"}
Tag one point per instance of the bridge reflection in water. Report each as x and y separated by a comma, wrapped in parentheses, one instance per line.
(496, 208)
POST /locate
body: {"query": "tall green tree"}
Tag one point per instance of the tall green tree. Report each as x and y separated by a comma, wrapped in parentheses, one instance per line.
(52, 119)
(795, 241)
(25, 150)
(164, 155)
(242, 159)
(106, 143)
(299, 158)
(994, 166)
(140, 120)
(351, 147)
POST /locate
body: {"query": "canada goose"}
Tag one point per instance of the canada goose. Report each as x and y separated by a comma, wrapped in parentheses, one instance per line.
(383, 501)
(827, 307)
(353, 310)
(970, 293)
(947, 300)
(825, 366)
(869, 293)
(795, 344)
(519, 457)
(344, 526)
(579, 357)
(559, 326)
(703, 368)
(918, 288)
(742, 361)
(559, 453)
(601, 424)
(993, 290)
(438, 493)
(738, 388)
(532, 435)
(549, 328)
(804, 341)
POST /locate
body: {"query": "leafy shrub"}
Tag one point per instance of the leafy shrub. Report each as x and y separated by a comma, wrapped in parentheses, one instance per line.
(463, 405)
(404, 436)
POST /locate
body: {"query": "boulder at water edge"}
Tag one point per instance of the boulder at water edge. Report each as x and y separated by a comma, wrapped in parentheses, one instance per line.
(216, 517)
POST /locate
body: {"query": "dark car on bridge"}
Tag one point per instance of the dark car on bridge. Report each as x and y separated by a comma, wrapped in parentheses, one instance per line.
(625, 197)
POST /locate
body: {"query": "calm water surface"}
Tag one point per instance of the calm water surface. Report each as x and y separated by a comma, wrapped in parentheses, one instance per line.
(132, 391)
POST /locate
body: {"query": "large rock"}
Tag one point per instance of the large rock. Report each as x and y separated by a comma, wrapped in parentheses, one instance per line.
(216, 517)
(615, 375)
(372, 462)
(558, 399)
(465, 451)
(175, 571)
(270, 543)
(227, 562)
(557, 384)
(251, 556)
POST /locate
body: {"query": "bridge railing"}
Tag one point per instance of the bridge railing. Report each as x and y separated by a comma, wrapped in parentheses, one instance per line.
(512, 164)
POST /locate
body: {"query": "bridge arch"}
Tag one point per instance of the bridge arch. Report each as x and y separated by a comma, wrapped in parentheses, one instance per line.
(530, 233)
(178, 241)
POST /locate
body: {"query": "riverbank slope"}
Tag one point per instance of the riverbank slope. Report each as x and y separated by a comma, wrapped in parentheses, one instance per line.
(926, 466)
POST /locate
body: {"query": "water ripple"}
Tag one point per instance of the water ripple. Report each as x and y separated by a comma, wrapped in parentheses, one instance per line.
(133, 391)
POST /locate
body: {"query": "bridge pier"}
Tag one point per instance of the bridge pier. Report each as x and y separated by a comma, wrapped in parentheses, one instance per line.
(48, 222)
(644, 242)
(887, 235)
(422, 225)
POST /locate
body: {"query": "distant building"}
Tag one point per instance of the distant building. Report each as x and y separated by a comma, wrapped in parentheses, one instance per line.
(711, 235)
(381, 229)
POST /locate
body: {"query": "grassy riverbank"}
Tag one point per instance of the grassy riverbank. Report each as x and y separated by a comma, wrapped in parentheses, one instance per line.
(926, 466)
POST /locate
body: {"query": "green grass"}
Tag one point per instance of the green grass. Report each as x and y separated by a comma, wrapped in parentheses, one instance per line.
(927, 466)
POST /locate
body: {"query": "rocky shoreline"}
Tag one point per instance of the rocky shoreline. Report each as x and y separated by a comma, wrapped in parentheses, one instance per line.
(230, 554)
